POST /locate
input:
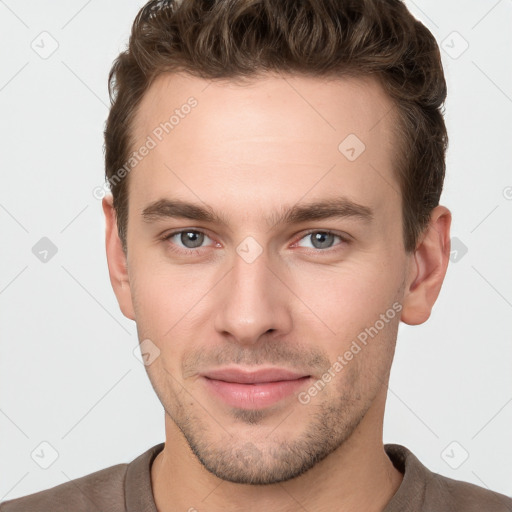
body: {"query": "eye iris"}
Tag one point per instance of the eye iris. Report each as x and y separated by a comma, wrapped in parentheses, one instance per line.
(320, 237)
(194, 237)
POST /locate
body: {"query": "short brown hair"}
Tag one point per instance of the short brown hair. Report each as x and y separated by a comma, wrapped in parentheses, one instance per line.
(230, 39)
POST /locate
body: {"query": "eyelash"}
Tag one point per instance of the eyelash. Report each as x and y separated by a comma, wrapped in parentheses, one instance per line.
(186, 251)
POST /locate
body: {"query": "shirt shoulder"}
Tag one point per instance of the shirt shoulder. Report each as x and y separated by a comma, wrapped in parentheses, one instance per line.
(120, 488)
(102, 490)
(464, 496)
(426, 491)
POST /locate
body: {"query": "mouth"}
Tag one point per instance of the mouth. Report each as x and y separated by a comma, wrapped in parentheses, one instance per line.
(257, 389)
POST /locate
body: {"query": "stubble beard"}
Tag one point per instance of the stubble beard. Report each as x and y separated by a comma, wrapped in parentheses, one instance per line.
(279, 456)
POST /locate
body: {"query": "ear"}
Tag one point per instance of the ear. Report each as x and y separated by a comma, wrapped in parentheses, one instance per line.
(117, 261)
(427, 268)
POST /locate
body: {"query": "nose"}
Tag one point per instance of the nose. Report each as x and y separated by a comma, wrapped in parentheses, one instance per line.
(253, 300)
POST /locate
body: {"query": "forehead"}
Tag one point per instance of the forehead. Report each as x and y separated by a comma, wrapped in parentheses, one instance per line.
(280, 133)
(334, 104)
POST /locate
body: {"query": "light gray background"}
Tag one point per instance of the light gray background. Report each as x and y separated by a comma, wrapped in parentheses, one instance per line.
(68, 375)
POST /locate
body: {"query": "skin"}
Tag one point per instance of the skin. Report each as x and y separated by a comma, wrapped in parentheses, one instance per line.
(250, 151)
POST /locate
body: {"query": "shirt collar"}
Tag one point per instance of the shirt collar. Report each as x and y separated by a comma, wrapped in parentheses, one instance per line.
(137, 485)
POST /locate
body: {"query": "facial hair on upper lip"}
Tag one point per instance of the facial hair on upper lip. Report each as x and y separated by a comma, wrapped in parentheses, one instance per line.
(306, 361)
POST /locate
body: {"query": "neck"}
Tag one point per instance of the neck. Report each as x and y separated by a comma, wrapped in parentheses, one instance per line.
(357, 476)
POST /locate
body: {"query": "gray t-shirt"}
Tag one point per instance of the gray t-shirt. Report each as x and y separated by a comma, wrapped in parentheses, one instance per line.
(127, 488)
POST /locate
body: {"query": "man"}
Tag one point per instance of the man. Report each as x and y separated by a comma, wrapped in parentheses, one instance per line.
(276, 169)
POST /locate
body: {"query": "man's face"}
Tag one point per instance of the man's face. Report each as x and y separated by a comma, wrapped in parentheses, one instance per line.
(224, 300)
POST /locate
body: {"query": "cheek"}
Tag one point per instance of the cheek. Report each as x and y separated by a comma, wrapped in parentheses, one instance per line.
(169, 305)
(349, 297)
(162, 293)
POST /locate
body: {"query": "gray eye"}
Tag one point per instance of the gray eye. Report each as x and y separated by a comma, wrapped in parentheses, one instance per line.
(191, 239)
(321, 239)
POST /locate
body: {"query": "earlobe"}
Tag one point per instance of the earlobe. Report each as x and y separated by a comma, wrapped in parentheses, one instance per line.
(428, 267)
(116, 259)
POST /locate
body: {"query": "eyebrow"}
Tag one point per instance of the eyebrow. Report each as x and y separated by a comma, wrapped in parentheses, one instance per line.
(338, 207)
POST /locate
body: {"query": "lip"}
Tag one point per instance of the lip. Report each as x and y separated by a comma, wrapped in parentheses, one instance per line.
(254, 389)
(259, 376)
